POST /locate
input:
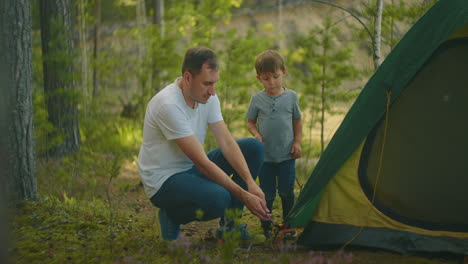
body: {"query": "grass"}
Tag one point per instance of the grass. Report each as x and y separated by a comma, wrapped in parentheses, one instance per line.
(92, 209)
(122, 227)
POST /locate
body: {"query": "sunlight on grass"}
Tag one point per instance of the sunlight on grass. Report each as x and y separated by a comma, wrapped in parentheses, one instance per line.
(129, 134)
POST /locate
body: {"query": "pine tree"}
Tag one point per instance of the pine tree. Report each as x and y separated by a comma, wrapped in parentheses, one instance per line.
(17, 165)
(59, 84)
(324, 65)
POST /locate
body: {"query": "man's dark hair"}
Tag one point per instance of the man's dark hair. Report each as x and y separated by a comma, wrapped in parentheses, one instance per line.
(196, 57)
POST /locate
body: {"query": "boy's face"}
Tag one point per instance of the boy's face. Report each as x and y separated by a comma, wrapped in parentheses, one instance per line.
(272, 81)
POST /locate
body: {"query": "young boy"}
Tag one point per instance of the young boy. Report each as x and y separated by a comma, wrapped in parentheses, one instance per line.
(276, 110)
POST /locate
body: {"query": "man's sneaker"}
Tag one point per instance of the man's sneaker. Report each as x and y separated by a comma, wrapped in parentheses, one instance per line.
(169, 230)
(241, 230)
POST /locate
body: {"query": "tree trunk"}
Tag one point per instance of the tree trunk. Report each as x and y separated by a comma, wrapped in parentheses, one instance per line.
(322, 114)
(392, 27)
(84, 52)
(281, 43)
(60, 92)
(378, 34)
(144, 76)
(97, 28)
(17, 170)
(158, 18)
(141, 22)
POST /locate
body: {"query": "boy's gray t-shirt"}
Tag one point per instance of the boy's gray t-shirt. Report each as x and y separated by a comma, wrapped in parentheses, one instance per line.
(275, 115)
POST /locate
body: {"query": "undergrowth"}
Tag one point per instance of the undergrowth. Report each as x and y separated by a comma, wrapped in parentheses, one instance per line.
(68, 230)
(92, 209)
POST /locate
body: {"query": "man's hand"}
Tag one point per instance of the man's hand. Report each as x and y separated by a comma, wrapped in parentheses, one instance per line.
(296, 150)
(254, 189)
(256, 205)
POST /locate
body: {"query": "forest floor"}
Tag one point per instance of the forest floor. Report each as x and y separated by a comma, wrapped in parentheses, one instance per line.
(118, 224)
(92, 209)
(204, 232)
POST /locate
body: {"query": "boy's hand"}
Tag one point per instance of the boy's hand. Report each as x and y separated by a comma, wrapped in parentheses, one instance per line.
(296, 150)
(259, 138)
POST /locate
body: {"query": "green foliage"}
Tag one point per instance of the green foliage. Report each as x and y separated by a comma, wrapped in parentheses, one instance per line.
(238, 81)
(60, 95)
(397, 17)
(117, 70)
(190, 21)
(117, 10)
(70, 230)
(199, 214)
(413, 11)
(107, 139)
(60, 57)
(197, 20)
(231, 238)
(107, 133)
(35, 15)
(322, 69)
(306, 164)
(162, 62)
(76, 175)
(42, 126)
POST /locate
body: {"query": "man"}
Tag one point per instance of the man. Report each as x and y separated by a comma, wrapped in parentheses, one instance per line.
(178, 176)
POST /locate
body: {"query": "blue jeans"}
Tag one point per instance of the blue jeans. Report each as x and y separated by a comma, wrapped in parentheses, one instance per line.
(187, 192)
(279, 176)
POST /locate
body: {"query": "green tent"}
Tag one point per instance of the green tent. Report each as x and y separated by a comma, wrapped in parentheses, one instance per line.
(395, 174)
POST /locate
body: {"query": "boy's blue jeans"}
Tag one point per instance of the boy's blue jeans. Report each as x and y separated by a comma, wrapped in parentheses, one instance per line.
(187, 192)
(279, 176)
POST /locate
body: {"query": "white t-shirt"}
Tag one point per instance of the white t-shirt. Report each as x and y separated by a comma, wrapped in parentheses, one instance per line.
(168, 117)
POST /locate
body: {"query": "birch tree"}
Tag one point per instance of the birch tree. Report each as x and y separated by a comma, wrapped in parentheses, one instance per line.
(378, 34)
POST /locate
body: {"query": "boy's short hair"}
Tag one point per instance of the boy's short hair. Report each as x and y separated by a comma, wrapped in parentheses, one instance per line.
(196, 57)
(269, 61)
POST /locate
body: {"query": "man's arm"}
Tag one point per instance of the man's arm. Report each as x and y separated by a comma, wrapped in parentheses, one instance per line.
(252, 127)
(234, 156)
(194, 150)
(231, 151)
